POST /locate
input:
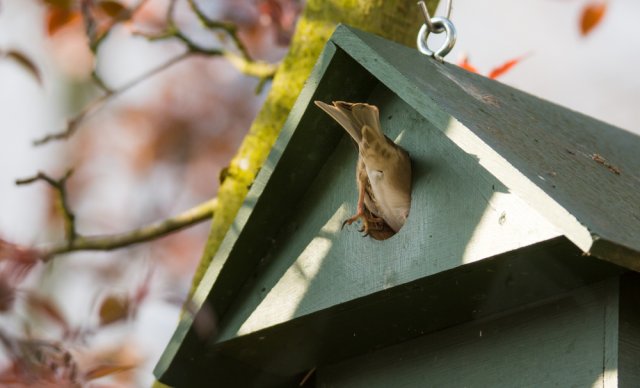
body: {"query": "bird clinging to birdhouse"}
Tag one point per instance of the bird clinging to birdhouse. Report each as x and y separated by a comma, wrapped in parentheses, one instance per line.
(383, 172)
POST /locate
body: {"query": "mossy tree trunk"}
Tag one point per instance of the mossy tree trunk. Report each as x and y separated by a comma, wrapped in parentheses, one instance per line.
(397, 20)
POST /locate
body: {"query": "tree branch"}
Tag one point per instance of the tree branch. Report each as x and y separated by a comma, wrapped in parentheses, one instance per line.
(230, 28)
(94, 40)
(59, 185)
(77, 242)
(243, 62)
(74, 122)
(193, 216)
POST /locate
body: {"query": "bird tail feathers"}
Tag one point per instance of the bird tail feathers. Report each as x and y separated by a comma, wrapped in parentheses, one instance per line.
(353, 117)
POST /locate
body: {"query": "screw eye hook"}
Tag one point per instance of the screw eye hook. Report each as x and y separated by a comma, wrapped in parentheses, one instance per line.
(427, 16)
(436, 25)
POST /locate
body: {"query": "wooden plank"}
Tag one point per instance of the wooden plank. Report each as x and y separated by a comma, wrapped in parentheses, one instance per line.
(581, 173)
(629, 332)
(608, 378)
(556, 343)
(407, 311)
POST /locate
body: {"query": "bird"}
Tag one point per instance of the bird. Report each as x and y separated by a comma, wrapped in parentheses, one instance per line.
(383, 170)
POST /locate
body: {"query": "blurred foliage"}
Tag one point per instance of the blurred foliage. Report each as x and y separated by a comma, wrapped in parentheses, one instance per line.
(144, 144)
(592, 15)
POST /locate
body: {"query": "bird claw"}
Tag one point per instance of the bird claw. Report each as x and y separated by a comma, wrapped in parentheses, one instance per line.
(369, 222)
(351, 220)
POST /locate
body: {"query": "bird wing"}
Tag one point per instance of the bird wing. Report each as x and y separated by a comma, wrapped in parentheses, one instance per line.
(391, 190)
(353, 117)
(389, 169)
(363, 115)
(343, 117)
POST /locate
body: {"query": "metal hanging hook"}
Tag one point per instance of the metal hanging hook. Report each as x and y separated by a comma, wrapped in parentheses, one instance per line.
(427, 16)
(436, 25)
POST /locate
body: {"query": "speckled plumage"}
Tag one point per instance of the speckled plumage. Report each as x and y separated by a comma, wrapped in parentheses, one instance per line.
(383, 172)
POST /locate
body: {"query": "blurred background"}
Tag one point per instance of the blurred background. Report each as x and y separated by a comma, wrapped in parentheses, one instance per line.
(158, 148)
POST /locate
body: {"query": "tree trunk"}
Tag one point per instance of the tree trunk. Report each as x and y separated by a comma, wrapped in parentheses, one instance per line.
(397, 20)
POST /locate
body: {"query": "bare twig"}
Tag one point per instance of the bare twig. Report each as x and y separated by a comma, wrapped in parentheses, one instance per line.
(258, 69)
(95, 105)
(170, 12)
(241, 61)
(95, 41)
(230, 28)
(59, 185)
(193, 216)
(77, 242)
(90, 27)
(100, 82)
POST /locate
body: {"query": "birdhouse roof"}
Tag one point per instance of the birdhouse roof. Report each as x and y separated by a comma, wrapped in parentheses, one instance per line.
(579, 174)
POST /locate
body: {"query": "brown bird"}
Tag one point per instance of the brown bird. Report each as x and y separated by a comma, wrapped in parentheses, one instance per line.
(383, 172)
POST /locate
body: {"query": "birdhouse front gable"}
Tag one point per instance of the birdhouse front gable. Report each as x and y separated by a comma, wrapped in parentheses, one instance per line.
(492, 225)
(459, 214)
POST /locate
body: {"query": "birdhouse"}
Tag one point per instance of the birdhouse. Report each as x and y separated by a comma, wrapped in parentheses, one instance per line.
(516, 265)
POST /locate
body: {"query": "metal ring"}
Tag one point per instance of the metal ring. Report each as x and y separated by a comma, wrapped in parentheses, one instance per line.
(440, 24)
(427, 17)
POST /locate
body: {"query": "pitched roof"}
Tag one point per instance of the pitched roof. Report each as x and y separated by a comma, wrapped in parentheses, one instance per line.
(580, 173)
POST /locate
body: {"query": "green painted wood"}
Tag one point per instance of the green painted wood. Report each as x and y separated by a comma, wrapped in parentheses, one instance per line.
(629, 332)
(581, 173)
(555, 343)
(289, 288)
(292, 165)
(533, 345)
(460, 214)
(398, 314)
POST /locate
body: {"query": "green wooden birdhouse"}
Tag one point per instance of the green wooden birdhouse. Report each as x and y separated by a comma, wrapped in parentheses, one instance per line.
(515, 267)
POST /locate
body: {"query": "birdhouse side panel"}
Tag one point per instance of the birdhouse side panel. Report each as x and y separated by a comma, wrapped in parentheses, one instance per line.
(629, 337)
(561, 343)
(459, 214)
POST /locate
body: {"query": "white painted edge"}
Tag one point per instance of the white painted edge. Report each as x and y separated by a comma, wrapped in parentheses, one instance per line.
(519, 184)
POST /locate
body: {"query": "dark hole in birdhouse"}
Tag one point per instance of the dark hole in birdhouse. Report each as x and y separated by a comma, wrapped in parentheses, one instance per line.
(383, 232)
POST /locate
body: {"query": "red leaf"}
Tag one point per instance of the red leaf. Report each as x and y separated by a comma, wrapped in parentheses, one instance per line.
(25, 62)
(7, 295)
(105, 370)
(19, 260)
(114, 309)
(39, 363)
(47, 307)
(592, 16)
(58, 17)
(143, 290)
(204, 321)
(505, 67)
(65, 4)
(464, 63)
(113, 9)
(282, 15)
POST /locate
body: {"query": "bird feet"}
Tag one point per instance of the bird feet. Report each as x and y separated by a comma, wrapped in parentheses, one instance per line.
(370, 223)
